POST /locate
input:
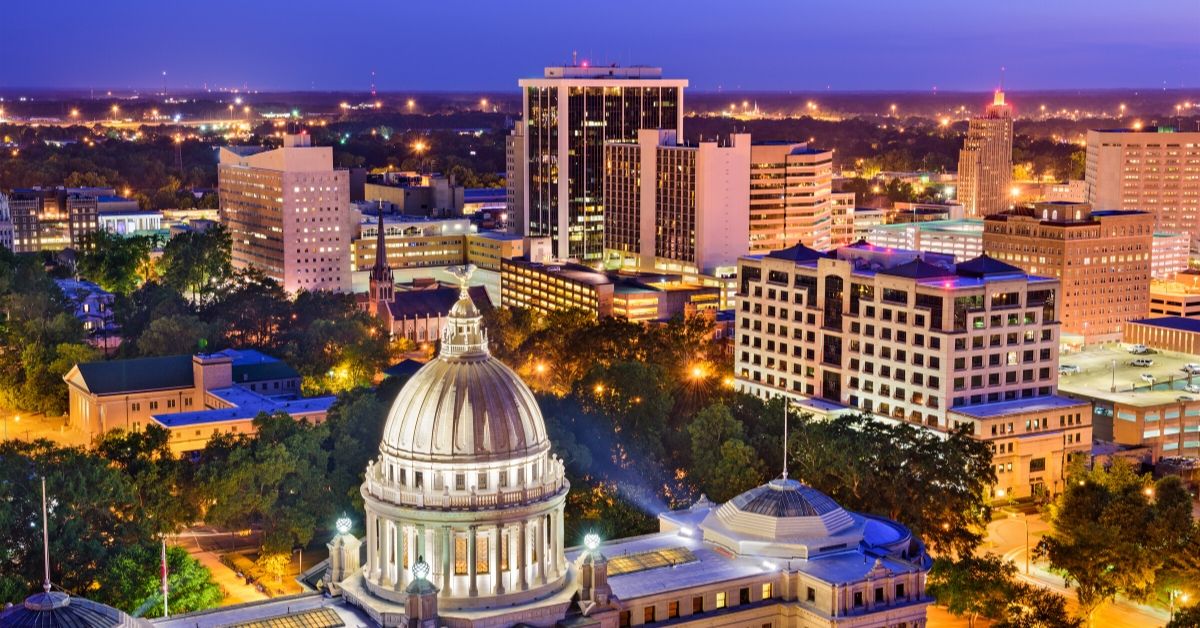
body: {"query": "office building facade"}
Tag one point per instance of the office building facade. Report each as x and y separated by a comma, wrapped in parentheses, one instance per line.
(985, 161)
(569, 114)
(288, 213)
(676, 208)
(1102, 259)
(52, 219)
(1154, 169)
(790, 196)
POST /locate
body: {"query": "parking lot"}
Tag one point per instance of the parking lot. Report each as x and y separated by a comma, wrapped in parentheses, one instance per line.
(1097, 375)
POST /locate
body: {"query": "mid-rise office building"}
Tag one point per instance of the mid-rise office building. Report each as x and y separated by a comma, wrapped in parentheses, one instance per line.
(52, 219)
(415, 194)
(288, 213)
(569, 114)
(790, 196)
(914, 337)
(1169, 255)
(411, 241)
(962, 239)
(514, 182)
(1154, 169)
(1178, 296)
(674, 207)
(841, 212)
(985, 161)
(1102, 259)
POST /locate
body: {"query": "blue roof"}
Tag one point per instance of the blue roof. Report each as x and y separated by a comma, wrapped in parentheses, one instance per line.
(249, 406)
(1017, 406)
(1178, 323)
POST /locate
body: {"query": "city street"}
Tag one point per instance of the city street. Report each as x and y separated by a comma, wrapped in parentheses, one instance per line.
(206, 545)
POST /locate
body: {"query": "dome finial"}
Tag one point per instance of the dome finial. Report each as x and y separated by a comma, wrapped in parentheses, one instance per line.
(463, 334)
(463, 275)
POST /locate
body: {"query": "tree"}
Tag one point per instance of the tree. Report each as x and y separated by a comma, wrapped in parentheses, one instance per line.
(158, 476)
(173, 335)
(355, 424)
(722, 463)
(1089, 541)
(133, 582)
(739, 468)
(198, 262)
(251, 311)
(973, 586)
(1186, 618)
(1036, 607)
(934, 483)
(635, 398)
(113, 262)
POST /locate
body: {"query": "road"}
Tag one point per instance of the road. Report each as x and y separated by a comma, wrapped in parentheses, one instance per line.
(206, 546)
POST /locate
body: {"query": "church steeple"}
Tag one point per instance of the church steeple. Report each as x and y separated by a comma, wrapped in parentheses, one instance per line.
(383, 286)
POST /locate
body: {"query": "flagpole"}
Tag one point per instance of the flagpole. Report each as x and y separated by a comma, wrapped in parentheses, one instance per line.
(166, 613)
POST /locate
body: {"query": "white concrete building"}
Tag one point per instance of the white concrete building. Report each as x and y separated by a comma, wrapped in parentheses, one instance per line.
(128, 223)
(677, 207)
(288, 212)
(1169, 253)
(961, 238)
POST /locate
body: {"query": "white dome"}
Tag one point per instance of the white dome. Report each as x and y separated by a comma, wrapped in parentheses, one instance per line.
(465, 405)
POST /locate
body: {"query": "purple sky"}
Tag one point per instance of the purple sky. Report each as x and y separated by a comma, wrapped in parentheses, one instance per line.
(488, 44)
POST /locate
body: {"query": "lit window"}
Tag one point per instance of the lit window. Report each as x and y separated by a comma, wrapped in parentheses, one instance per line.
(721, 599)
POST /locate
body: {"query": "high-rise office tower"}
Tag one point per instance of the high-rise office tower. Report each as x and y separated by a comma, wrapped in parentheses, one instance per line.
(1101, 257)
(790, 188)
(676, 207)
(569, 114)
(288, 213)
(985, 161)
(1155, 169)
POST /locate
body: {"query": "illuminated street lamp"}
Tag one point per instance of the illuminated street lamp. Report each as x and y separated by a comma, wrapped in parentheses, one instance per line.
(1176, 593)
(16, 419)
(411, 103)
(74, 113)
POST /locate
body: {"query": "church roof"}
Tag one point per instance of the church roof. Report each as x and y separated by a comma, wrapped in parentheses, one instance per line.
(432, 303)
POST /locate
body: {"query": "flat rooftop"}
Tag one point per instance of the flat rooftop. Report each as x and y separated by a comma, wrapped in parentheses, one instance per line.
(1016, 406)
(1175, 323)
(1098, 376)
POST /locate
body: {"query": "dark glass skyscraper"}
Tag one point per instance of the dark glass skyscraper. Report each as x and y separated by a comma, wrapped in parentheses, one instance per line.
(569, 114)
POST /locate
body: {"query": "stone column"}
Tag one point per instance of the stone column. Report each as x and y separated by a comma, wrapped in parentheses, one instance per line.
(471, 571)
(389, 553)
(403, 533)
(562, 542)
(447, 558)
(551, 547)
(541, 549)
(498, 554)
(372, 546)
(522, 555)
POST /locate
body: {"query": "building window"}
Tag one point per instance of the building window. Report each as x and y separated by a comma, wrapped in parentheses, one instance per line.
(481, 553)
(136, 407)
(697, 605)
(858, 599)
(899, 590)
(460, 482)
(460, 555)
(721, 599)
(811, 595)
(648, 615)
(153, 405)
(744, 595)
(672, 609)
(624, 620)
(879, 595)
(766, 591)
(1037, 465)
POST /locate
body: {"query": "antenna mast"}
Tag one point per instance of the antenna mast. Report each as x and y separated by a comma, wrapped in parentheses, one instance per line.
(785, 436)
(45, 540)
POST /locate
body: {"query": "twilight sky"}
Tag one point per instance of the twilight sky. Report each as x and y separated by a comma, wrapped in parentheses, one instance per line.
(489, 44)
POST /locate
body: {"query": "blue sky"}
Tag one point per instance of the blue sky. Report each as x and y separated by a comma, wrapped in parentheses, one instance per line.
(730, 44)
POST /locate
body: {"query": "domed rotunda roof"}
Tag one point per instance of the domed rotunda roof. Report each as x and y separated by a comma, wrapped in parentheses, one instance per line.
(53, 609)
(465, 405)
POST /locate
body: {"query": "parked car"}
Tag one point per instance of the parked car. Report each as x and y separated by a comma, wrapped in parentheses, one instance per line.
(1142, 362)
(1146, 377)
(1192, 388)
(1191, 368)
(1067, 369)
(1139, 349)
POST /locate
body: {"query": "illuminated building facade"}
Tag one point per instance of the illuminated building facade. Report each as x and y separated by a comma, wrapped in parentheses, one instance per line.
(569, 114)
(1102, 259)
(288, 213)
(985, 161)
(790, 196)
(52, 219)
(1154, 169)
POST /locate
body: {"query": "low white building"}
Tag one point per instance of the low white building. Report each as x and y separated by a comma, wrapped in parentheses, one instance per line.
(961, 238)
(128, 223)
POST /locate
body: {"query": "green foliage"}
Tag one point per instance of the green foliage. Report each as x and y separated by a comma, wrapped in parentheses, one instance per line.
(633, 395)
(276, 480)
(933, 483)
(1090, 540)
(1036, 607)
(722, 463)
(159, 478)
(1186, 618)
(113, 262)
(355, 424)
(197, 264)
(133, 582)
(172, 335)
(973, 586)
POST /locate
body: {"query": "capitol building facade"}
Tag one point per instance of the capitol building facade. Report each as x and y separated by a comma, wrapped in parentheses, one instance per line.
(464, 528)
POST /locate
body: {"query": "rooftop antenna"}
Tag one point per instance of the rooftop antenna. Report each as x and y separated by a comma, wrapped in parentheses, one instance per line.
(45, 540)
(574, 57)
(785, 436)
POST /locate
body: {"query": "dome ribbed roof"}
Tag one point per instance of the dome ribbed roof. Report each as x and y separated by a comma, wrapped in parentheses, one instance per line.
(55, 609)
(465, 405)
(785, 498)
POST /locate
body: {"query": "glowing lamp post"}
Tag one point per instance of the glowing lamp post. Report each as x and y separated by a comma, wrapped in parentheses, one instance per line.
(592, 542)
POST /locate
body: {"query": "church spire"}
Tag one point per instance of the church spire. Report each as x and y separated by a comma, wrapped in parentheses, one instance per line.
(383, 287)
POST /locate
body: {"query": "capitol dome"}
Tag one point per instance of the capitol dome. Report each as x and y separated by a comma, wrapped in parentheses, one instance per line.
(465, 477)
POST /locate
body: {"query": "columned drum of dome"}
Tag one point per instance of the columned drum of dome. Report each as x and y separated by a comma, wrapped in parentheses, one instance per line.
(466, 481)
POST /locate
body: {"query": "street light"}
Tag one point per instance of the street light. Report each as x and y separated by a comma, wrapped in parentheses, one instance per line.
(1113, 387)
(16, 419)
(1176, 593)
